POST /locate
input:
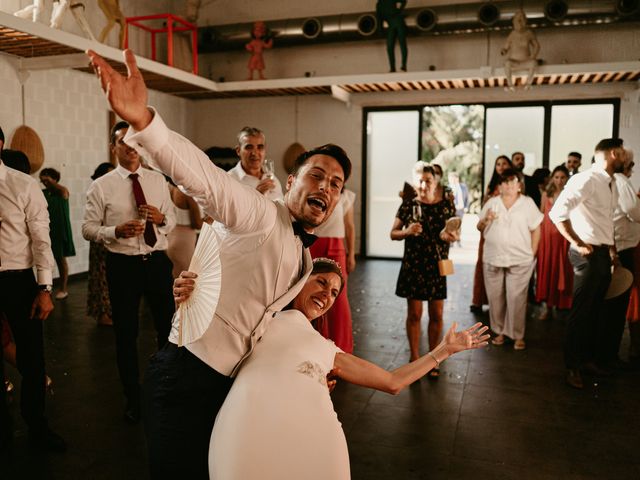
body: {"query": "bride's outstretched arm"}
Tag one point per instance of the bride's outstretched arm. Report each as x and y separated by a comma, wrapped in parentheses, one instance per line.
(361, 372)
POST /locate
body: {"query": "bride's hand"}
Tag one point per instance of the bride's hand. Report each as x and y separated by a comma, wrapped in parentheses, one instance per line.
(471, 338)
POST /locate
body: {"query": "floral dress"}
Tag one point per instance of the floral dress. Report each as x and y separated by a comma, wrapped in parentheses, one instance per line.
(419, 277)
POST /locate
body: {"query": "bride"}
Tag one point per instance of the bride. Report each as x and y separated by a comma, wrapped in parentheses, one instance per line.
(278, 421)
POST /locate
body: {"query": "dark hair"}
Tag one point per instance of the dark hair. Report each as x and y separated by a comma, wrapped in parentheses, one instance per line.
(515, 153)
(326, 265)
(551, 189)
(1, 135)
(578, 155)
(540, 175)
(17, 160)
(510, 173)
(51, 172)
(495, 178)
(437, 167)
(330, 150)
(608, 144)
(118, 126)
(249, 132)
(101, 170)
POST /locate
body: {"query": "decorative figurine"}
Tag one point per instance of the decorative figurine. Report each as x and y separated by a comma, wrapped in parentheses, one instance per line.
(392, 12)
(34, 11)
(521, 50)
(260, 41)
(111, 10)
(192, 10)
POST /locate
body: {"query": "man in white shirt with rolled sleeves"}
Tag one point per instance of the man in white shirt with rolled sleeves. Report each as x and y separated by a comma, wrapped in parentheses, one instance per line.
(25, 299)
(583, 214)
(252, 150)
(130, 211)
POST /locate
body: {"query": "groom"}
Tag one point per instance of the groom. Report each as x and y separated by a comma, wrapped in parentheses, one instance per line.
(265, 263)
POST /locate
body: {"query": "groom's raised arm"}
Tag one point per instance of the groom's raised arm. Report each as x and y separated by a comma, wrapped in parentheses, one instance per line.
(238, 207)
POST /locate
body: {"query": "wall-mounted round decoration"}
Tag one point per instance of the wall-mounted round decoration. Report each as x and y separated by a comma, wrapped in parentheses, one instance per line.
(488, 14)
(290, 155)
(556, 10)
(311, 28)
(367, 24)
(27, 140)
(426, 20)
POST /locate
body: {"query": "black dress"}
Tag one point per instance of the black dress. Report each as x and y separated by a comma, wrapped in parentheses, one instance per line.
(419, 277)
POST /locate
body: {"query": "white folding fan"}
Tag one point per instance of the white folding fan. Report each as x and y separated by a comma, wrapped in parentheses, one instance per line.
(197, 312)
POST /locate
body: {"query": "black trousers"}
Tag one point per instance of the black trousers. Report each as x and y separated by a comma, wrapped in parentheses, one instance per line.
(592, 276)
(181, 398)
(130, 277)
(612, 330)
(18, 289)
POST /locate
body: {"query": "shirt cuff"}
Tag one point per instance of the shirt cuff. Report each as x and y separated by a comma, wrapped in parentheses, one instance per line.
(109, 234)
(150, 140)
(45, 277)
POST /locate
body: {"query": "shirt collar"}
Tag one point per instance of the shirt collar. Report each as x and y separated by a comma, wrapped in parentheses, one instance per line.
(241, 172)
(124, 173)
(600, 170)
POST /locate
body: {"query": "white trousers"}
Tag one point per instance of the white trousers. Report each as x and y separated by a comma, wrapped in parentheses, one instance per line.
(507, 293)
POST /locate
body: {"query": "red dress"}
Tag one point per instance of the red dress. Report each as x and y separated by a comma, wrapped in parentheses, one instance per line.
(336, 323)
(554, 271)
(633, 310)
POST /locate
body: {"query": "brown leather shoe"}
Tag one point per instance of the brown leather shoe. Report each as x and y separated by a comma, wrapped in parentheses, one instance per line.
(574, 379)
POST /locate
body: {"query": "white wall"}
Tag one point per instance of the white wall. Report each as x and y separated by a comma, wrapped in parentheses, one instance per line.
(68, 111)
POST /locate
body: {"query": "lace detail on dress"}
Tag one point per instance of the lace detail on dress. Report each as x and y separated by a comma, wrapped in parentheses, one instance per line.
(314, 371)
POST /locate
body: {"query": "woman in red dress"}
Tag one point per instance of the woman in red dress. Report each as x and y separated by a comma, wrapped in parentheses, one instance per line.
(479, 297)
(554, 272)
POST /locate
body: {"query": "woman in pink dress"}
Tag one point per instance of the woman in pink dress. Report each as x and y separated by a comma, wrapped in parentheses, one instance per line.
(554, 272)
(479, 295)
(336, 240)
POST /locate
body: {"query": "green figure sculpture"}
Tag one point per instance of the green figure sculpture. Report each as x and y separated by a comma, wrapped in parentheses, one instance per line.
(392, 12)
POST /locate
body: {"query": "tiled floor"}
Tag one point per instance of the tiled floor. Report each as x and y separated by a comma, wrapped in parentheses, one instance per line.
(493, 414)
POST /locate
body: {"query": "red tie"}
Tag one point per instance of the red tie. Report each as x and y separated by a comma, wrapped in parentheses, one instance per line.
(149, 235)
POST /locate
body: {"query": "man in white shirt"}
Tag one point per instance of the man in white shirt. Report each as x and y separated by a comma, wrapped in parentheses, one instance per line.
(626, 223)
(583, 214)
(130, 211)
(252, 150)
(574, 160)
(25, 299)
(265, 263)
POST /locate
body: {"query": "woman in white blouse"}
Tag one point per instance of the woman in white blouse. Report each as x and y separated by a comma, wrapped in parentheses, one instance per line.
(510, 224)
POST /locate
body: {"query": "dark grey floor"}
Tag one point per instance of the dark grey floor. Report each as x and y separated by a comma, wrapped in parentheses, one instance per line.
(494, 414)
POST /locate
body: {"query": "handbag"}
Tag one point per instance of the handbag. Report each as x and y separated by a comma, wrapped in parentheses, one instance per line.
(445, 266)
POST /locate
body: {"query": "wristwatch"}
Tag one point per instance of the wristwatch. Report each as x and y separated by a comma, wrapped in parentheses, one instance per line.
(46, 288)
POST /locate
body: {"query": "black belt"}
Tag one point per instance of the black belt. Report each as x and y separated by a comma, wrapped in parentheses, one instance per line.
(144, 257)
(14, 273)
(602, 246)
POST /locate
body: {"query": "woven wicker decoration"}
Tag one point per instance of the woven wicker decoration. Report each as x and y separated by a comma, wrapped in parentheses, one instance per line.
(290, 155)
(27, 140)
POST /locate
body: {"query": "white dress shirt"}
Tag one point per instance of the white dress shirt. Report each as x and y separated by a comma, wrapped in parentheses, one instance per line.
(626, 219)
(110, 202)
(259, 252)
(334, 226)
(24, 231)
(239, 174)
(589, 200)
(507, 239)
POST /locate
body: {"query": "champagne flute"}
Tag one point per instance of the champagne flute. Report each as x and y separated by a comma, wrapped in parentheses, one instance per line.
(143, 215)
(416, 214)
(269, 169)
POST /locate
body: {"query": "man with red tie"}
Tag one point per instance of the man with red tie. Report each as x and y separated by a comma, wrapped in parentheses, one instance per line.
(130, 211)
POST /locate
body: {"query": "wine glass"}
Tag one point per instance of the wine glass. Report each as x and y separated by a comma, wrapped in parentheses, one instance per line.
(416, 213)
(269, 169)
(495, 209)
(143, 215)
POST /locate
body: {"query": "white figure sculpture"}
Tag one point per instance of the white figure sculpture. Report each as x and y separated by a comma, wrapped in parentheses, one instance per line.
(34, 11)
(521, 50)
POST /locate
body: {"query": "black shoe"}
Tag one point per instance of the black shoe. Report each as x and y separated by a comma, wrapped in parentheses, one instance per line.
(132, 413)
(574, 379)
(477, 309)
(48, 441)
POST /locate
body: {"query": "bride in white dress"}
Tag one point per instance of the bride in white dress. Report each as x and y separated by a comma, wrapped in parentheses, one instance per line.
(278, 421)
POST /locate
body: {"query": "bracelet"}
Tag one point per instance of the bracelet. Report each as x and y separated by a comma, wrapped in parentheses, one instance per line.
(434, 359)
